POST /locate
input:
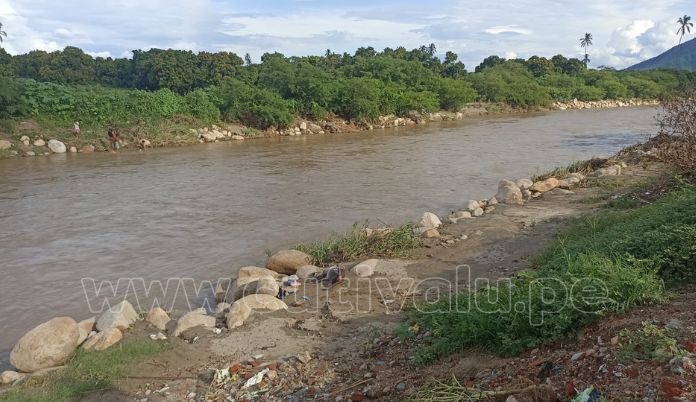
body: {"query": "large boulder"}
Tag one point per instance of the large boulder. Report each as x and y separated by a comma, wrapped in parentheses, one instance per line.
(252, 274)
(544, 186)
(120, 316)
(50, 344)
(103, 340)
(509, 193)
(430, 221)
(56, 146)
(242, 308)
(288, 261)
(266, 285)
(4, 144)
(193, 319)
(158, 318)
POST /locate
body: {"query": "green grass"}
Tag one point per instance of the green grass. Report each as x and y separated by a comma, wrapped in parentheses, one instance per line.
(398, 242)
(622, 257)
(86, 372)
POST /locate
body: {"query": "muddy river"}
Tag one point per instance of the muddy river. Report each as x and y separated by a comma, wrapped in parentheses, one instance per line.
(201, 212)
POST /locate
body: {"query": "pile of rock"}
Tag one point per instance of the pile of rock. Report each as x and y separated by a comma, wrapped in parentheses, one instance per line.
(306, 127)
(215, 133)
(601, 104)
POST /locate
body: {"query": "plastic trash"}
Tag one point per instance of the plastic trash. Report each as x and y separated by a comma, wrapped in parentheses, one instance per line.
(255, 379)
(588, 395)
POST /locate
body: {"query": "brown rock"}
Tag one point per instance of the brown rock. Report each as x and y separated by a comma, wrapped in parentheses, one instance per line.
(545, 185)
(158, 318)
(288, 261)
(50, 344)
(103, 340)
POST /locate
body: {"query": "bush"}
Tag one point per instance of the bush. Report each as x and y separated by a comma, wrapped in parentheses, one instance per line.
(253, 106)
(454, 94)
(200, 106)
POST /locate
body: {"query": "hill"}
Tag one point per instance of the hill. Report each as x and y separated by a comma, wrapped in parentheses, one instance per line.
(681, 57)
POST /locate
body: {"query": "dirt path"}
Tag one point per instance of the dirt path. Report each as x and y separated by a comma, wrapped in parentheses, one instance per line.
(339, 343)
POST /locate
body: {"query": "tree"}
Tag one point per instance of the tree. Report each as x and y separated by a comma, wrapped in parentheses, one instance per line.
(488, 62)
(684, 26)
(586, 42)
(2, 33)
(247, 59)
(432, 49)
(540, 66)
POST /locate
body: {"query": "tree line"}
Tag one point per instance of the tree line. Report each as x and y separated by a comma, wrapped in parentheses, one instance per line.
(72, 85)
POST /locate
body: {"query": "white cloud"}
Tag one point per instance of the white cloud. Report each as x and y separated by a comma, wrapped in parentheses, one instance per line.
(501, 29)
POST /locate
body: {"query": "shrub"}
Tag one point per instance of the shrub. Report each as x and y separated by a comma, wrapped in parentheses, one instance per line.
(200, 106)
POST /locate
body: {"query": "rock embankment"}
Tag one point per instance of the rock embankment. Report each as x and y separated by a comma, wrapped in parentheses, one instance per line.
(604, 104)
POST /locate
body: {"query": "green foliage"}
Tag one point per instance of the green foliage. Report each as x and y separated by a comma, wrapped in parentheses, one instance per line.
(272, 93)
(648, 343)
(200, 106)
(86, 372)
(601, 265)
(253, 106)
(357, 243)
(11, 104)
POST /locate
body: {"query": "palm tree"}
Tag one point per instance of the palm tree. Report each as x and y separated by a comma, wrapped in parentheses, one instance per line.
(2, 33)
(684, 26)
(585, 43)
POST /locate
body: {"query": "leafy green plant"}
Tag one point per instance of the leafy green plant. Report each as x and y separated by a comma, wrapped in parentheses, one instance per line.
(649, 342)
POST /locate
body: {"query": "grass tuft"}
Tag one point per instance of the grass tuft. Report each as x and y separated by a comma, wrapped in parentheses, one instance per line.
(393, 243)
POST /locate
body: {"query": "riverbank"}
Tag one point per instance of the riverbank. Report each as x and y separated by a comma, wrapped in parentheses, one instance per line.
(322, 345)
(31, 139)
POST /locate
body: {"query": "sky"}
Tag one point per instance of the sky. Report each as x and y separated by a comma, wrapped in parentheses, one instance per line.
(625, 31)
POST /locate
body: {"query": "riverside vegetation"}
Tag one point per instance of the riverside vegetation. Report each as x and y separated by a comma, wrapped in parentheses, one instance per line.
(160, 94)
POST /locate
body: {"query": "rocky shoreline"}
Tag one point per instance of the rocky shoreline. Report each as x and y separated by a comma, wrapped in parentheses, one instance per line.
(39, 145)
(280, 286)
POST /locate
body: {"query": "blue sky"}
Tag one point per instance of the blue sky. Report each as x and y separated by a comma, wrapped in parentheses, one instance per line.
(625, 31)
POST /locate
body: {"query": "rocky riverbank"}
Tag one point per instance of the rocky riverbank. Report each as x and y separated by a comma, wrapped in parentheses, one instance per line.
(604, 104)
(254, 354)
(30, 142)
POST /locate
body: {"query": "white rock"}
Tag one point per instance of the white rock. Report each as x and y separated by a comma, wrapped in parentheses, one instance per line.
(103, 340)
(509, 193)
(145, 143)
(9, 377)
(472, 205)
(303, 126)
(25, 140)
(73, 150)
(120, 316)
(39, 142)
(478, 212)
(430, 234)
(237, 137)
(193, 319)
(208, 136)
(56, 146)
(524, 183)
(158, 318)
(430, 221)
(492, 201)
(252, 274)
(459, 215)
(50, 344)
(366, 268)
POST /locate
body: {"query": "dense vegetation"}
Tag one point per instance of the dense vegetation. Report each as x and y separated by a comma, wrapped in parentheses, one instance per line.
(603, 264)
(70, 85)
(682, 57)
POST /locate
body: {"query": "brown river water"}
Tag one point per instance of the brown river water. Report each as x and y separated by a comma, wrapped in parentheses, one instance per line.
(201, 212)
